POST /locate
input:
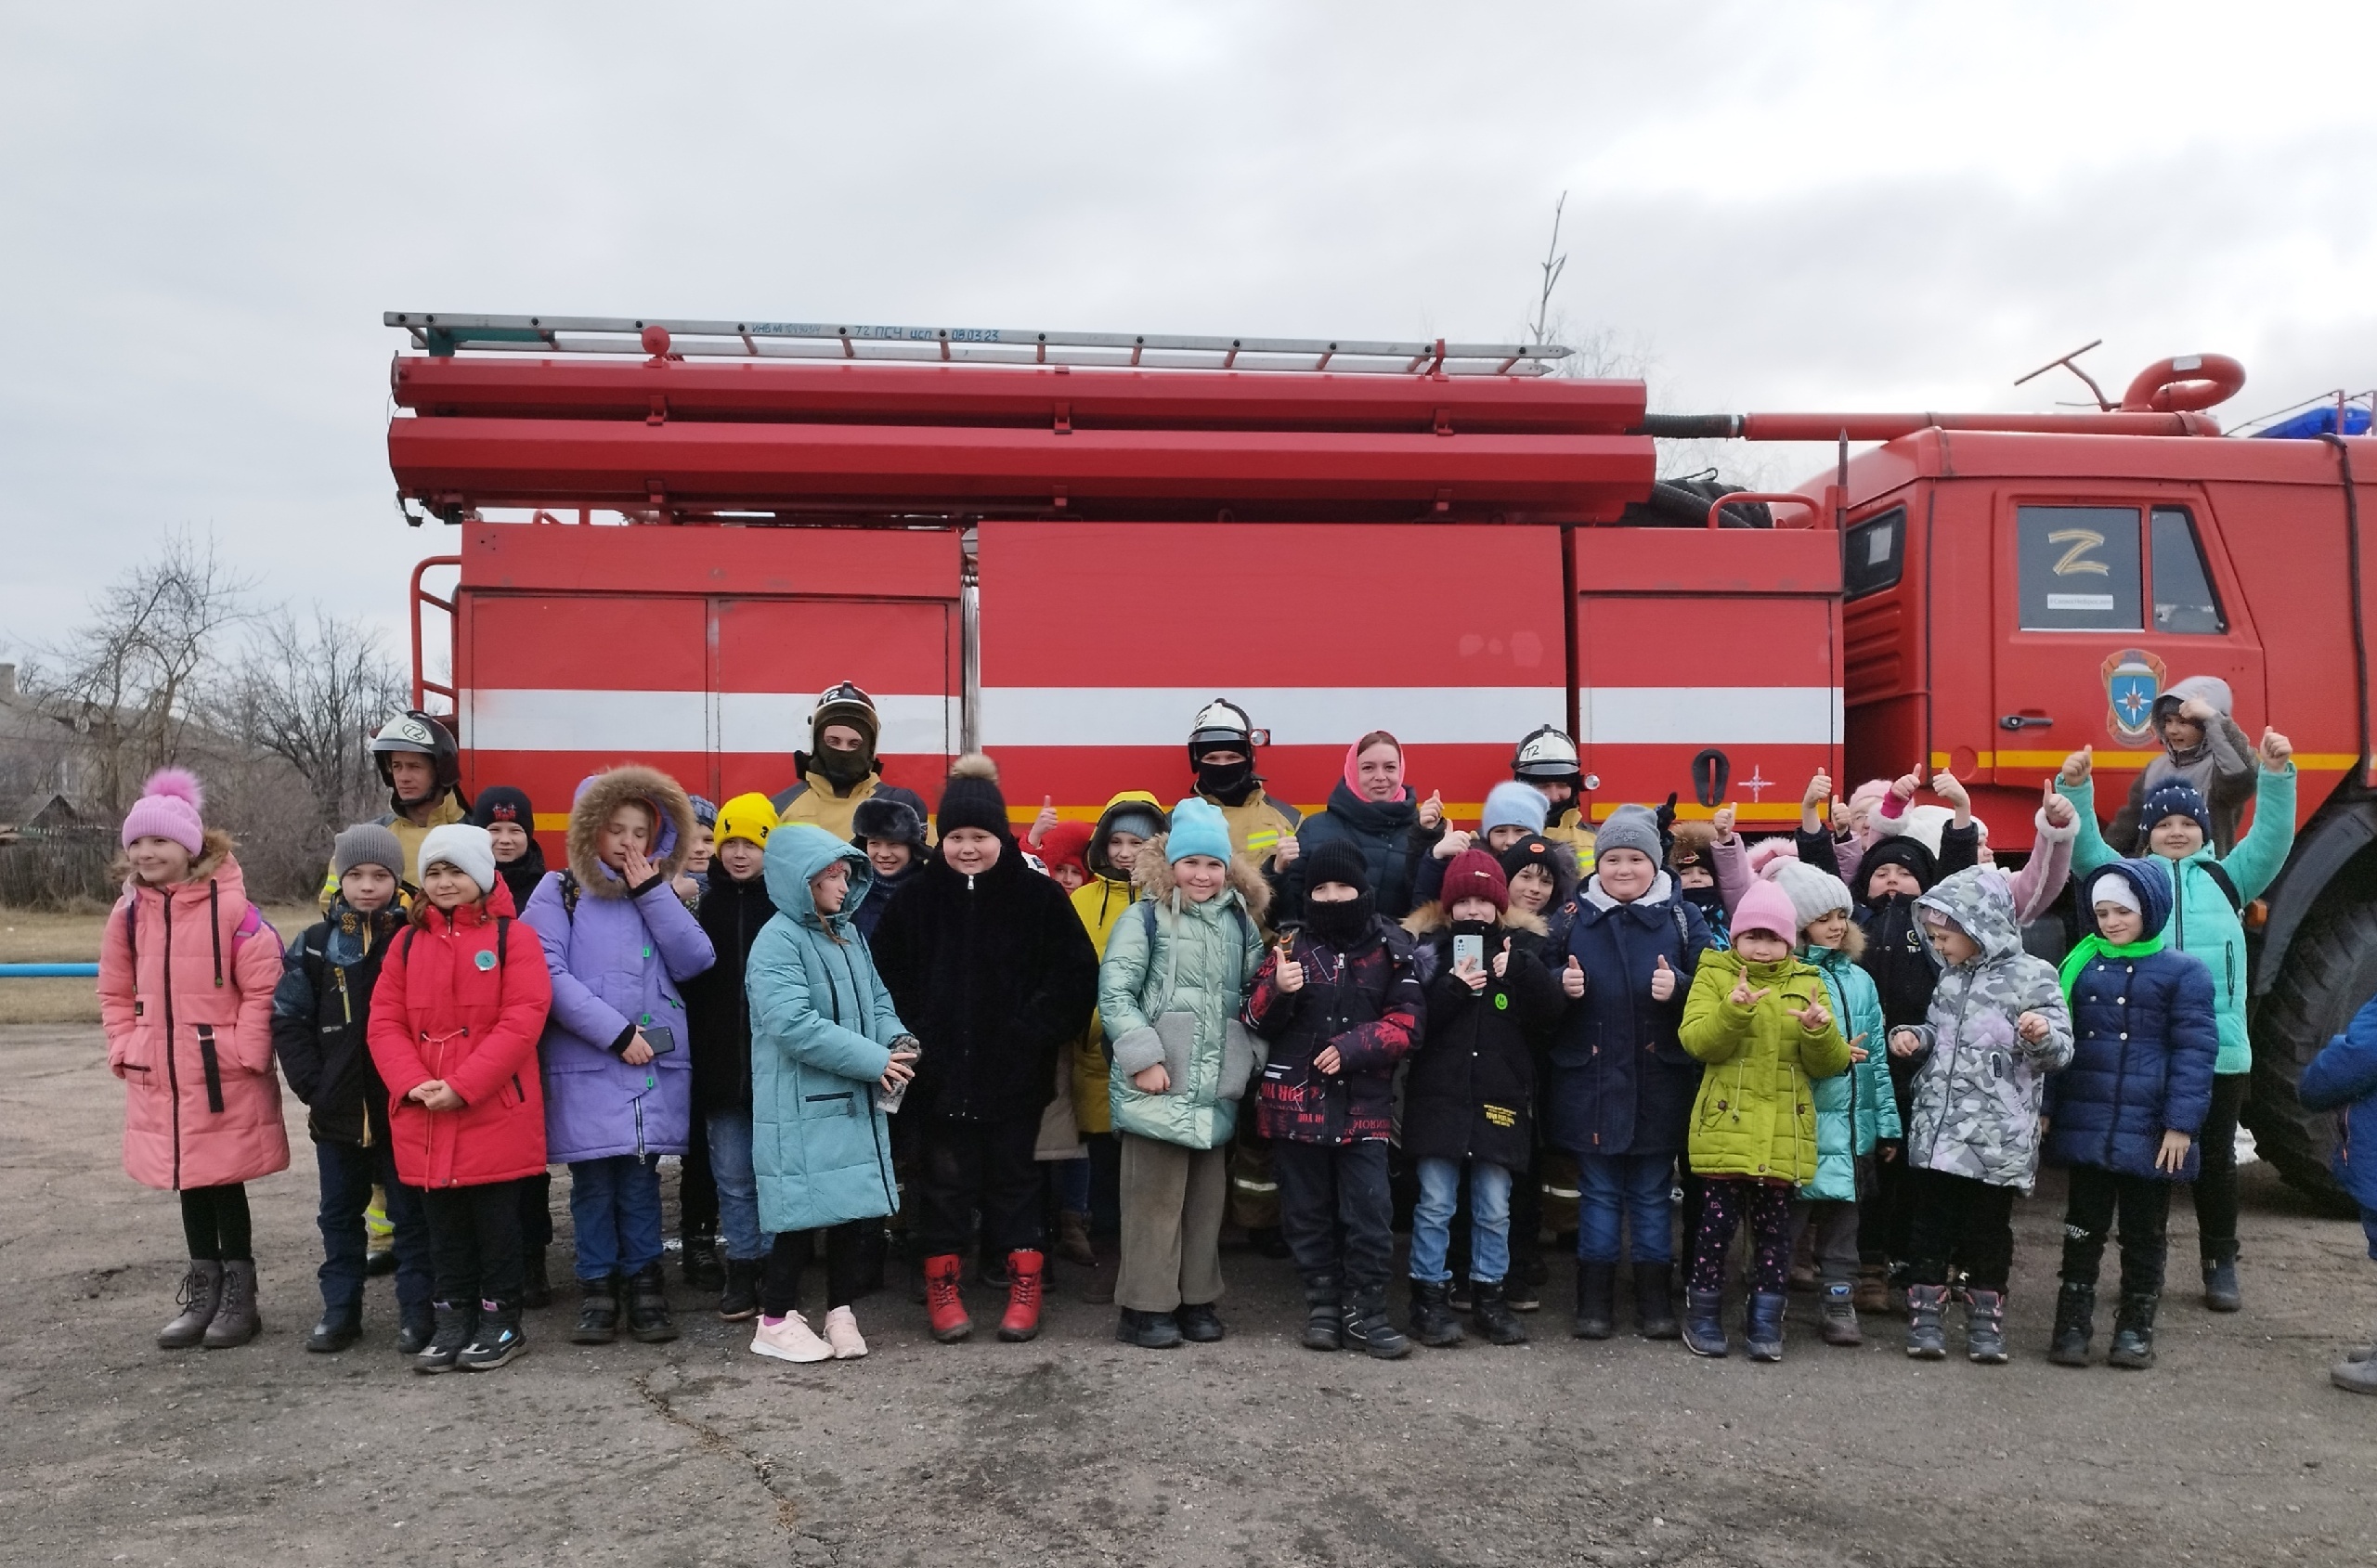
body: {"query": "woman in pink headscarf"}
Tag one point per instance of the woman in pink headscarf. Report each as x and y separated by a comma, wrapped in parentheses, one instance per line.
(1372, 809)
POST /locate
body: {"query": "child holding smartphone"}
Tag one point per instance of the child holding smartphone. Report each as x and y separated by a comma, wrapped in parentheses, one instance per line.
(618, 1087)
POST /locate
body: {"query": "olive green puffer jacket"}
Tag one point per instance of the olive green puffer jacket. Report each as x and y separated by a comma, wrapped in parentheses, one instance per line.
(1755, 1114)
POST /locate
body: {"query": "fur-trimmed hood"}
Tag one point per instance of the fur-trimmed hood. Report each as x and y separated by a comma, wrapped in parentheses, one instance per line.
(1431, 919)
(1151, 874)
(599, 796)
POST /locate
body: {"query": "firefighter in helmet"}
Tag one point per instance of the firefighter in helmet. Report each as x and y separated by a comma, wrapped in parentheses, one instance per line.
(1547, 760)
(422, 768)
(840, 768)
(1221, 750)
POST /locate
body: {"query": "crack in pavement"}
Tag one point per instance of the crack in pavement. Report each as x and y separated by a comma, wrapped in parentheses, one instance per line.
(713, 1441)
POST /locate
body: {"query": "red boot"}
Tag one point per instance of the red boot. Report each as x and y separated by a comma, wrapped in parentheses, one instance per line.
(1022, 1319)
(943, 1305)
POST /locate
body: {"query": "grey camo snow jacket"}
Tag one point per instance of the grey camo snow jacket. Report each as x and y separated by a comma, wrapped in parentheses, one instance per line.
(1977, 1083)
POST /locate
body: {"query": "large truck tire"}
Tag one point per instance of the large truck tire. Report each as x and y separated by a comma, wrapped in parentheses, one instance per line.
(2331, 971)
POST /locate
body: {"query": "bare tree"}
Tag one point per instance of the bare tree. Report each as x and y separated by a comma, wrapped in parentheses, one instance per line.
(311, 695)
(129, 682)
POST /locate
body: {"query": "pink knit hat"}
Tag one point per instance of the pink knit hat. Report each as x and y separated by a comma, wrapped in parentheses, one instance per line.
(168, 809)
(1766, 908)
(1766, 852)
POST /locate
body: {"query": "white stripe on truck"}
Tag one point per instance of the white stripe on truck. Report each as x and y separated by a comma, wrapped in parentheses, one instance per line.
(523, 718)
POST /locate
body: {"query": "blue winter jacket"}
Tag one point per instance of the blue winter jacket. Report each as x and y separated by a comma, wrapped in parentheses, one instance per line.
(821, 1028)
(2343, 1078)
(2145, 1035)
(1854, 1109)
(1621, 1083)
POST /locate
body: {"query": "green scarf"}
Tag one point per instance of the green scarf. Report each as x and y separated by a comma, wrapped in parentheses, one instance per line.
(2092, 945)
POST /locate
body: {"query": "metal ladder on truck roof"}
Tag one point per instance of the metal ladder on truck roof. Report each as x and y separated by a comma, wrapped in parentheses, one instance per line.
(444, 334)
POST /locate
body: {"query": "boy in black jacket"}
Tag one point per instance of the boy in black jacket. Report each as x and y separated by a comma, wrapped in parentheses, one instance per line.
(320, 1012)
(1471, 1096)
(1341, 1002)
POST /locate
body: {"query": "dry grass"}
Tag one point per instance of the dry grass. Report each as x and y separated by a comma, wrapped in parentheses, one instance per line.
(31, 936)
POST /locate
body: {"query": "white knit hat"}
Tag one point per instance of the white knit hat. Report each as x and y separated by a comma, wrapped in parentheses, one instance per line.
(1813, 893)
(468, 849)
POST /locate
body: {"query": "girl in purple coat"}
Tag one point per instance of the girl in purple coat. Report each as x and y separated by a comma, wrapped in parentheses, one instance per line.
(618, 1081)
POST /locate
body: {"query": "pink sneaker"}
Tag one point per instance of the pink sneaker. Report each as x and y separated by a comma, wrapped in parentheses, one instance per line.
(842, 1332)
(790, 1339)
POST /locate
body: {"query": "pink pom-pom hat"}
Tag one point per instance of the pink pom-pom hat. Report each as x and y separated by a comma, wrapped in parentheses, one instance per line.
(168, 809)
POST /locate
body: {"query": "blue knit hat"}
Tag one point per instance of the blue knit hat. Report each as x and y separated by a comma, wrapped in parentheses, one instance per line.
(2173, 798)
(1512, 804)
(1197, 828)
(705, 811)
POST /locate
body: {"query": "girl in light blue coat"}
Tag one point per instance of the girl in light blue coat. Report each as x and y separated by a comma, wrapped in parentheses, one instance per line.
(1855, 1110)
(825, 1039)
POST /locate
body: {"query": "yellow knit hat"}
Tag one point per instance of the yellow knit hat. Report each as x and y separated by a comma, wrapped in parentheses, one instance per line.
(747, 816)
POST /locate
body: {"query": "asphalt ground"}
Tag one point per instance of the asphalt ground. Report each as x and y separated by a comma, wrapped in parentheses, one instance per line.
(1075, 1449)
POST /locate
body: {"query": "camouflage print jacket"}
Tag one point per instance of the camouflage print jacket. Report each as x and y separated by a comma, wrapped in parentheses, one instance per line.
(1978, 1083)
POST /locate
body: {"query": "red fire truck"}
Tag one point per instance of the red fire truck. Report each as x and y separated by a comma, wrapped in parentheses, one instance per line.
(1058, 547)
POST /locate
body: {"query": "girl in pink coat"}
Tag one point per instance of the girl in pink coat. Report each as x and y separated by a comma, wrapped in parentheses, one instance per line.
(186, 971)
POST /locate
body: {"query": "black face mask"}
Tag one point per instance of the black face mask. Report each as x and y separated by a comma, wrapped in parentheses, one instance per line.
(1338, 924)
(841, 768)
(1709, 901)
(1472, 927)
(1229, 783)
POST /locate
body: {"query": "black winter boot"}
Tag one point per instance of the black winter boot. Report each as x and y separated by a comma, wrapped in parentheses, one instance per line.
(1840, 1326)
(1322, 1329)
(739, 1300)
(498, 1339)
(1432, 1323)
(453, 1333)
(415, 1332)
(1926, 1336)
(2134, 1331)
(1199, 1324)
(1596, 1301)
(1655, 1302)
(598, 1311)
(700, 1261)
(536, 1280)
(340, 1327)
(1985, 1328)
(1704, 1322)
(648, 1317)
(1523, 1286)
(201, 1293)
(1363, 1324)
(1493, 1314)
(2220, 1291)
(2075, 1324)
(1763, 1326)
(1148, 1331)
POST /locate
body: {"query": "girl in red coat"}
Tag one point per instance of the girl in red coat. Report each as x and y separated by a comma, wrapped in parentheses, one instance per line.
(461, 1001)
(186, 979)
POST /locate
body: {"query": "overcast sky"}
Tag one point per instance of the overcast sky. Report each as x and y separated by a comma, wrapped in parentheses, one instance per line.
(203, 210)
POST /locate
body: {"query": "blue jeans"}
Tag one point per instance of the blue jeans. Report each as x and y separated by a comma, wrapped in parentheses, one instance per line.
(739, 1189)
(1490, 1220)
(1072, 1186)
(1629, 1190)
(348, 1173)
(614, 1203)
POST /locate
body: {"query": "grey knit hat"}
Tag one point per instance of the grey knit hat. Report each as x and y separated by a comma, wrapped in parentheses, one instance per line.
(1629, 827)
(366, 844)
(1813, 893)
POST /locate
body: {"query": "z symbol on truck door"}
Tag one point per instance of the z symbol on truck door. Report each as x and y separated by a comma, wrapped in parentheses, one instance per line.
(2133, 679)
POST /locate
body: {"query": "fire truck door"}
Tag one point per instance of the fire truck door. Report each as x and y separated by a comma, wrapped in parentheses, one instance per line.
(546, 698)
(769, 656)
(2102, 603)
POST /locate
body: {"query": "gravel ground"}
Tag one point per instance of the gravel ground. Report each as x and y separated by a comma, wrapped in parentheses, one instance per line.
(1075, 1449)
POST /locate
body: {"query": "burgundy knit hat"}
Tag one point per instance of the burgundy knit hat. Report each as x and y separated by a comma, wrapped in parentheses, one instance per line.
(1476, 875)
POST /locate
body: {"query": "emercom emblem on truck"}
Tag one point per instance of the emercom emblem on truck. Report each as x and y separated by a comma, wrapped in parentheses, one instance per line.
(2134, 679)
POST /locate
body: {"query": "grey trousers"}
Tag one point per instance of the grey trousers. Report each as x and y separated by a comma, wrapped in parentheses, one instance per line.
(1173, 1202)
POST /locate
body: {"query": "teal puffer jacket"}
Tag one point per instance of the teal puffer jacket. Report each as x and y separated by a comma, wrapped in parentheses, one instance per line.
(1854, 1109)
(2204, 923)
(821, 1028)
(1168, 955)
